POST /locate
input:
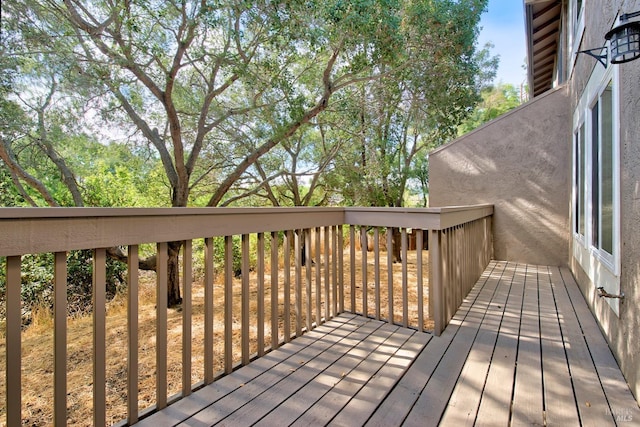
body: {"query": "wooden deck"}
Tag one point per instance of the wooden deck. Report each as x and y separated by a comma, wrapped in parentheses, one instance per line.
(522, 349)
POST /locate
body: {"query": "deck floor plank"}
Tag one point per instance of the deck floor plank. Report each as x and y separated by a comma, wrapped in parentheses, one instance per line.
(622, 405)
(338, 396)
(590, 398)
(365, 402)
(527, 395)
(435, 396)
(403, 397)
(280, 372)
(523, 348)
(465, 399)
(495, 404)
(560, 408)
(358, 346)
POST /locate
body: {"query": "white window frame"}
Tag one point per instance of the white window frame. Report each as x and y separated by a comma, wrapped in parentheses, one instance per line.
(602, 268)
(576, 31)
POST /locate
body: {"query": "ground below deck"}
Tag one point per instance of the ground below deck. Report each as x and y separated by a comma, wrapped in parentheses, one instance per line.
(522, 349)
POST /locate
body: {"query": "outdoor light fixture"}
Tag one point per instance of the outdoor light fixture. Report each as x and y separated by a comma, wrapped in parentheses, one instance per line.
(624, 42)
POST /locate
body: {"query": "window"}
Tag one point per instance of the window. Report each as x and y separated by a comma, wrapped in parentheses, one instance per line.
(576, 31)
(596, 182)
(579, 181)
(594, 174)
(606, 171)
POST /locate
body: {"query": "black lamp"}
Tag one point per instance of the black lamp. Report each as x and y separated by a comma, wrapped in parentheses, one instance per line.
(624, 42)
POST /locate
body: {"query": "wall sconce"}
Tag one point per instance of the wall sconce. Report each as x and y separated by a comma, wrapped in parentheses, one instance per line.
(624, 42)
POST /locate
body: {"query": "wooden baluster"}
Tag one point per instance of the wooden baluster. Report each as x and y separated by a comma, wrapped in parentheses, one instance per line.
(275, 339)
(340, 282)
(228, 304)
(352, 255)
(187, 282)
(209, 271)
(318, 277)
(287, 285)
(365, 280)
(260, 291)
(376, 269)
(99, 336)
(245, 300)
(334, 270)
(420, 290)
(405, 281)
(436, 281)
(132, 334)
(309, 300)
(13, 339)
(60, 338)
(327, 278)
(390, 274)
(161, 326)
(298, 285)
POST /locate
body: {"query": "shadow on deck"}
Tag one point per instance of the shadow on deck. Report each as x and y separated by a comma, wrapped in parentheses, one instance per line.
(522, 349)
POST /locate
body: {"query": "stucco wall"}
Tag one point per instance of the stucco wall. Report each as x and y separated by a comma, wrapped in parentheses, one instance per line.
(521, 163)
(623, 330)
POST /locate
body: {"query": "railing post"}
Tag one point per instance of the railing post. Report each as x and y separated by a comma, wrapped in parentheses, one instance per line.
(436, 293)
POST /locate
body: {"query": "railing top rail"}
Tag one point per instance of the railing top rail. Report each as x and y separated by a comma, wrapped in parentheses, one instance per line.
(84, 212)
(37, 230)
(437, 218)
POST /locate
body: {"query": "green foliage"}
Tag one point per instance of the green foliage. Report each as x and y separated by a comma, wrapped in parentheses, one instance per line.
(496, 101)
(37, 274)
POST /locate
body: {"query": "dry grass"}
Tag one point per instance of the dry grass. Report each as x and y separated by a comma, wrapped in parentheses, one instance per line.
(37, 341)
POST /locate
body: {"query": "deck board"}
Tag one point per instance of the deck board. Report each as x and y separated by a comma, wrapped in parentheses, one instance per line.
(523, 348)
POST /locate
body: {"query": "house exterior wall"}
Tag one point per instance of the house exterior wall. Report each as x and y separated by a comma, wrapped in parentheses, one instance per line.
(521, 163)
(621, 329)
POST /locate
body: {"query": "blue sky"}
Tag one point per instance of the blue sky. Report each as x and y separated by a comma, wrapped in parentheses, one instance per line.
(503, 25)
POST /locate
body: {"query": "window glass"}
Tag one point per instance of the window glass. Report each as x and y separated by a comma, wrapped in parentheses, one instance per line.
(606, 170)
(581, 181)
(595, 177)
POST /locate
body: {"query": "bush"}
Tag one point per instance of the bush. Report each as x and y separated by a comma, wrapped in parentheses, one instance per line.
(37, 282)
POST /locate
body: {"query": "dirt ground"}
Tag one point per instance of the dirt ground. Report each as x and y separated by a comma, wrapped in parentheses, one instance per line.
(37, 340)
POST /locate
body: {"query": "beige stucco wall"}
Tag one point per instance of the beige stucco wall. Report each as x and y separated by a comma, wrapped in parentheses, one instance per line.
(521, 163)
(621, 331)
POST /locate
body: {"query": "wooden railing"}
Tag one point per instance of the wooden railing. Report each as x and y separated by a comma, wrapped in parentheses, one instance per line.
(309, 264)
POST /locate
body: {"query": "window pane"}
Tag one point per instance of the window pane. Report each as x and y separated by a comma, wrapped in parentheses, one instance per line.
(606, 155)
(595, 178)
(581, 186)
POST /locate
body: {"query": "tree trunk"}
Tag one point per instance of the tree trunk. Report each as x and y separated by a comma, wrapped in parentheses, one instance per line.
(396, 238)
(173, 272)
